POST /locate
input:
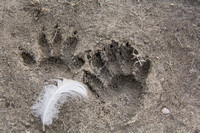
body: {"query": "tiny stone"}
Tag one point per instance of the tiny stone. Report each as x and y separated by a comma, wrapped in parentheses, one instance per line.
(36, 1)
(27, 124)
(165, 111)
(45, 10)
(133, 73)
(32, 120)
(131, 38)
(172, 4)
(192, 71)
(27, 131)
(162, 79)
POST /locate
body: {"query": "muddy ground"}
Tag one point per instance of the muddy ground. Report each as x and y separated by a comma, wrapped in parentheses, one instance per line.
(139, 59)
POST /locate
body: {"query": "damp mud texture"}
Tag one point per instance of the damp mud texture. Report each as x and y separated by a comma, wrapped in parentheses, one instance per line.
(139, 59)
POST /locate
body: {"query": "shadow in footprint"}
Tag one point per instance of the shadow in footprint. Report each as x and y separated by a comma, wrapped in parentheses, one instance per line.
(69, 47)
(28, 58)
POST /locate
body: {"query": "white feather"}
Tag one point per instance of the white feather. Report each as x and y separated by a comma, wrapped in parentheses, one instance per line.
(49, 102)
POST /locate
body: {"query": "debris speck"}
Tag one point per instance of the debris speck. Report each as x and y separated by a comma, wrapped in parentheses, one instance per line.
(162, 79)
(172, 4)
(32, 120)
(28, 131)
(165, 110)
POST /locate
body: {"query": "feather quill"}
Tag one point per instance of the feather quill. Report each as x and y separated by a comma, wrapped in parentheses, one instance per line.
(51, 99)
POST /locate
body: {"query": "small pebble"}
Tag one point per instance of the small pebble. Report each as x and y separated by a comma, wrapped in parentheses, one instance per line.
(157, 57)
(27, 124)
(192, 71)
(165, 111)
(27, 131)
(172, 4)
(133, 73)
(162, 79)
(32, 120)
(36, 2)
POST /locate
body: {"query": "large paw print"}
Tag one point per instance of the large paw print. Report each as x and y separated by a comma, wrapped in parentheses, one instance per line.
(118, 78)
(114, 67)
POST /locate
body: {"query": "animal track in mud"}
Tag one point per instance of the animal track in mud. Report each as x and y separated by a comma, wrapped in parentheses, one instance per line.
(56, 52)
(28, 57)
(116, 74)
(118, 77)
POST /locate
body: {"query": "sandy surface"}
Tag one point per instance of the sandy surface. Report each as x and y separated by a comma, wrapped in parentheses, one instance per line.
(139, 59)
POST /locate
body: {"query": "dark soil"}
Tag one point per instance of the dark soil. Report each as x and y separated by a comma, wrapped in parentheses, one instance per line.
(136, 58)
